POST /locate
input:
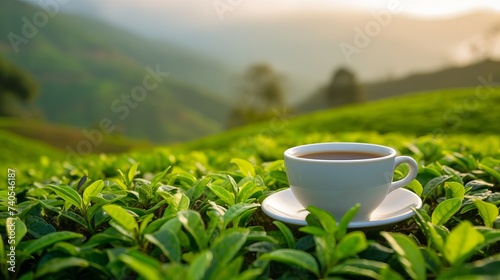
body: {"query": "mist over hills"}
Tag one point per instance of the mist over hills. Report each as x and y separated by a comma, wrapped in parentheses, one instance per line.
(480, 76)
(87, 60)
(305, 46)
(85, 68)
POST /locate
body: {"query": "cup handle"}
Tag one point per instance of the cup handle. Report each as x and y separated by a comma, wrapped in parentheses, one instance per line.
(412, 174)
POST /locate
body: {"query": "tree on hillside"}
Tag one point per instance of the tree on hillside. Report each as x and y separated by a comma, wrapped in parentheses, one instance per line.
(17, 89)
(343, 88)
(485, 46)
(261, 91)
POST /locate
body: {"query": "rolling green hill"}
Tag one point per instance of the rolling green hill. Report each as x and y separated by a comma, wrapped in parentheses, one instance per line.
(212, 200)
(64, 138)
(477, 74)
(447, 114)
(444, 112)
(19, 150)
(85, 68)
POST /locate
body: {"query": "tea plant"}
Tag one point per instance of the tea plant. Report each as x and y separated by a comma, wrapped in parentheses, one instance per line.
(181, 214)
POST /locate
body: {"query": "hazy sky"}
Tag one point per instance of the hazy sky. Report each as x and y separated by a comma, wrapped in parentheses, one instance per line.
(301, 38)
(414, 7)
(204, 9)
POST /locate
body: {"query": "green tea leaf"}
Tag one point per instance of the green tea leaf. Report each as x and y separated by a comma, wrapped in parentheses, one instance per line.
(487, 268)
(312, 220)
(352, 244)
(454, 173)
(487, 211)
(158, 177)
(445, 210)
(19, 228)
(434, 183)
(122, 217)
(313, 230)
(93, 190)
(246, 168)
(249, 274)
(185, 179)
(124, 181)
(200, 265)
(168, 243)
(365, 268)
(326, 219)
(56, 265)
(408, 253)
(229, 271)
(346, 219)
(457, 190)
(145, 220)
(75, 218)
(67, 248)
(325, 250)
(68, 194)
(234, 186)
(193, 223)
(50, 239)
(293, 258)
(279, 176)
(287, 234)
(146, 266)
(433, 262)
(237, 210)
(246, 191)
(415, 187)
(38, 227)
(490, 171)
(131, 173)
(227, 245)
(462, 243)
(177, 203)
(490, 235)
(437, 236)
(3, 254)
(197, 190)
(223, 194)
(421, 218)
(105, 238)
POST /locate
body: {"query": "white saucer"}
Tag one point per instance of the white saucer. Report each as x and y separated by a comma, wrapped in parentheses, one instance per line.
(395, 208)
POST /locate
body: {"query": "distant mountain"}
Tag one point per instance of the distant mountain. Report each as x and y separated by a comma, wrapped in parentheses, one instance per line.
(305, 45)
(92, 73)
(481, 74)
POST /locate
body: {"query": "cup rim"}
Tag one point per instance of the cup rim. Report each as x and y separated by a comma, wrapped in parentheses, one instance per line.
(292, 153)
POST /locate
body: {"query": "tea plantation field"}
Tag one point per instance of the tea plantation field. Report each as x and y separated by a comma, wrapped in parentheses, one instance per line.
(192, 211)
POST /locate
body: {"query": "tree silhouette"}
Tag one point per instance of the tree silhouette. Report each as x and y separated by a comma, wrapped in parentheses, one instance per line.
(261, 90)
(343, 88)
(484, 47)
(15, 87)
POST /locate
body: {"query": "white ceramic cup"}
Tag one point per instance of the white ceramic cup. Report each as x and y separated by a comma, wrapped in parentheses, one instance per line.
(337, 185)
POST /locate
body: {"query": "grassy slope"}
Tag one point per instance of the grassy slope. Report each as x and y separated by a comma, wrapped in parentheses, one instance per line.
(444, 112)
(60, 137)
(83, 66)
(16, 150)
(487, 71)
(395, 122)
(456, 77)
